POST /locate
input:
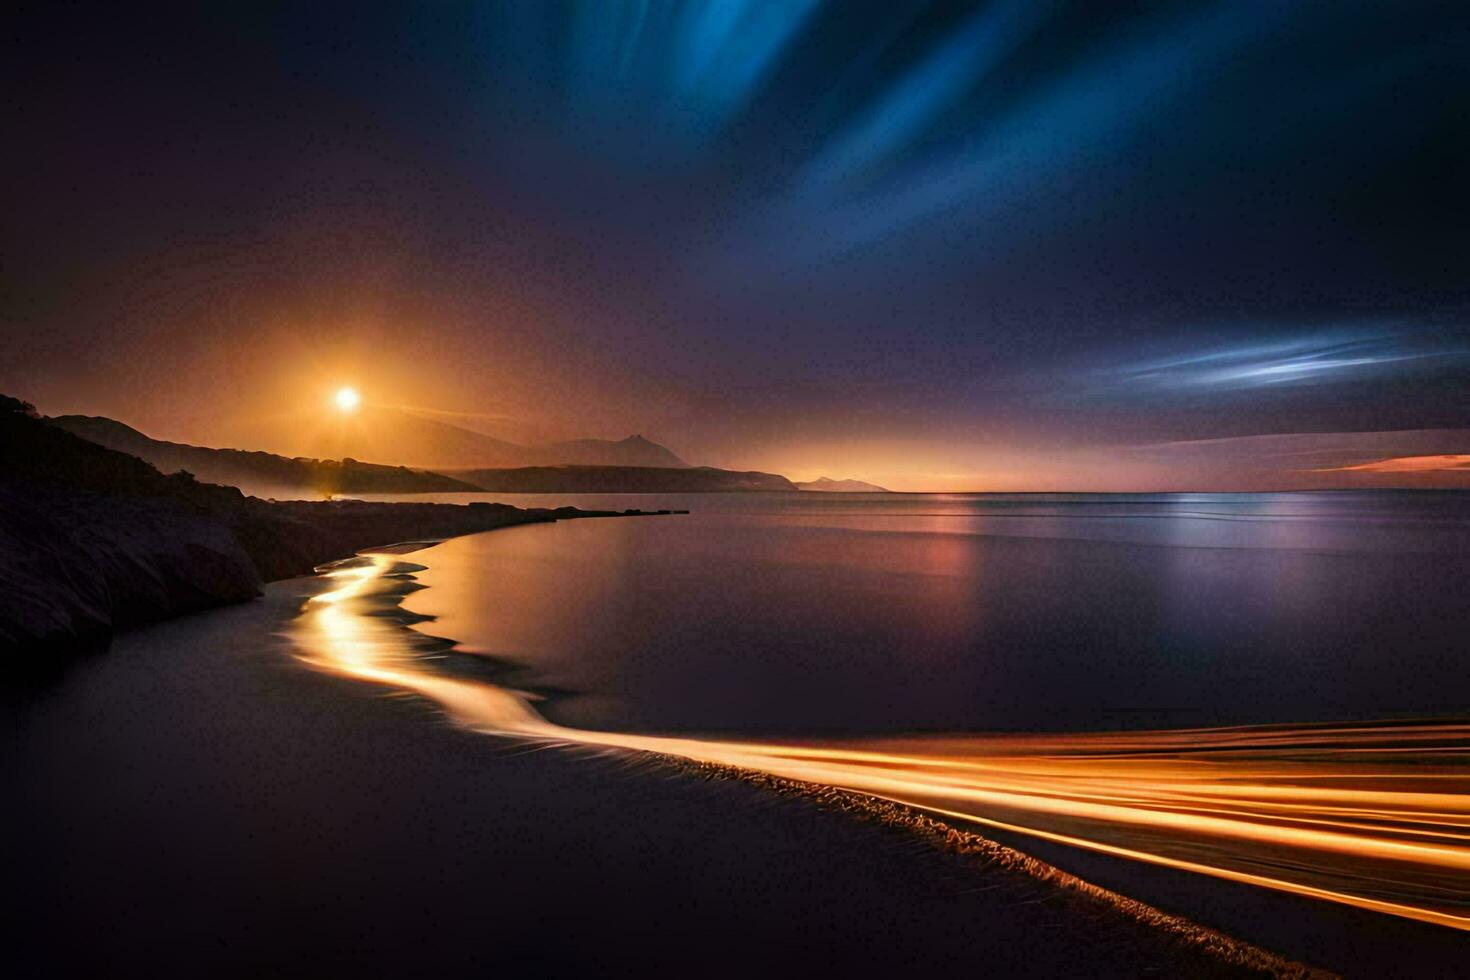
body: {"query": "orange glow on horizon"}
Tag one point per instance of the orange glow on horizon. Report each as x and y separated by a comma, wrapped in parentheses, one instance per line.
(1410, 464)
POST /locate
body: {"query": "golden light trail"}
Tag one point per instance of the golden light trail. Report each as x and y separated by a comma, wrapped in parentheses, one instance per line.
(1372, 815)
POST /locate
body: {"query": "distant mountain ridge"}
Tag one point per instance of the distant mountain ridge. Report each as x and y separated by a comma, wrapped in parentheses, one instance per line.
(829, 485)
(621, 479)
(402, 436)
(259, 473)
(268, 474)
(632, 451)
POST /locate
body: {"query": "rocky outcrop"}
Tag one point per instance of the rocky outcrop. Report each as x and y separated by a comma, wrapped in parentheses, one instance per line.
(74, 566)
(92, 539)
(293, 537)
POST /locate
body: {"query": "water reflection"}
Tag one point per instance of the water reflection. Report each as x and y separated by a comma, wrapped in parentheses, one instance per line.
(1373, 815)
(864, 617)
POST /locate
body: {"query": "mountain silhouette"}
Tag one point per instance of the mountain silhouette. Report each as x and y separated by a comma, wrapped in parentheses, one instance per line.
(622, 479)
(631, 465)
(393, 435)
(632, 451)
(830, 485)
(258, 473)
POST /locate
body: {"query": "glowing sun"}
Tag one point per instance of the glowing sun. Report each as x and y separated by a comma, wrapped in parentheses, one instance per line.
(347, 399)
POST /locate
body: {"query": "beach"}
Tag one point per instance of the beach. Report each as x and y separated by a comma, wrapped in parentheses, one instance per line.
(1028, 444)
(194, 801)
(446, 754)
(1336, 842)
(340, 825)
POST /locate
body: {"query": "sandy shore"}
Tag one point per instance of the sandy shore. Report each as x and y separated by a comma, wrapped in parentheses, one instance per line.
(194, 802)
(361, 628)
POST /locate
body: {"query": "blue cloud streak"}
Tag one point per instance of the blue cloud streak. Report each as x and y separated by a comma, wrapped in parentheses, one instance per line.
(1319, 358)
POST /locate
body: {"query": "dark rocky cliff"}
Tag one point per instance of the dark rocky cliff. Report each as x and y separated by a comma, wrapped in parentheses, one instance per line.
(92, 539)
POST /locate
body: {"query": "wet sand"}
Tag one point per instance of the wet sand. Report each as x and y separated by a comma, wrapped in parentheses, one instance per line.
(194, 802)
(1364, 816)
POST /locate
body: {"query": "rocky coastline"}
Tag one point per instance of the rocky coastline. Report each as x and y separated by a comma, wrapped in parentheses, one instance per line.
(93, 540)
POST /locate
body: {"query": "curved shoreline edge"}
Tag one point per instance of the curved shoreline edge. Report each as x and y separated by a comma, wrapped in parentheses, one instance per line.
(976, 853)
(77, 566)
(382, 611)
(93, 540)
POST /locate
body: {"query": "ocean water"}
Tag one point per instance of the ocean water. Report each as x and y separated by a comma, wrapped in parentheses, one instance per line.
(863, 614)
(1263, 689)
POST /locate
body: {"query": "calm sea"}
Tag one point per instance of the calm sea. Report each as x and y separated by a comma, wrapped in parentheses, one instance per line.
(835, 613)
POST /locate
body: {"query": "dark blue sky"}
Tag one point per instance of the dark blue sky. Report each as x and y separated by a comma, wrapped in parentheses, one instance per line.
(953, 243)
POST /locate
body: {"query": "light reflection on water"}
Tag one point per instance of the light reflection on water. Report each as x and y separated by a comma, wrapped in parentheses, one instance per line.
(1370, 814)
(763, 614)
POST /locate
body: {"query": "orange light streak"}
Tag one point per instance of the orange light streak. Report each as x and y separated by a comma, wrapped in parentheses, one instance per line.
(1372, 815)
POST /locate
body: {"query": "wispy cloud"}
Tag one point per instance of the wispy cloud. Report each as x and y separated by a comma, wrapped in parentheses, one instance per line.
(1024, 154)
(664, 69)
(1311, 359)
(1394, 451)
(914, 101)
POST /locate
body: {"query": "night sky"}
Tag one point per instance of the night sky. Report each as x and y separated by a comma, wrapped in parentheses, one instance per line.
(1012, 245)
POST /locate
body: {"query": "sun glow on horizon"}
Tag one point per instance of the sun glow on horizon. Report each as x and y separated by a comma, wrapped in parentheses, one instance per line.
(347, 399)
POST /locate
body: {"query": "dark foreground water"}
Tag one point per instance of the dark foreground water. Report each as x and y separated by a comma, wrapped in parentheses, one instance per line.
(789, 613)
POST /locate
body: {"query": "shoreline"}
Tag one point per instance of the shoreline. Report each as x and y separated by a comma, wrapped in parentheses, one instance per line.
(976, 853)
(371, 592)
(971, 852)
(93, 540)
(77, 566)
(315, 809)
(155, 548)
